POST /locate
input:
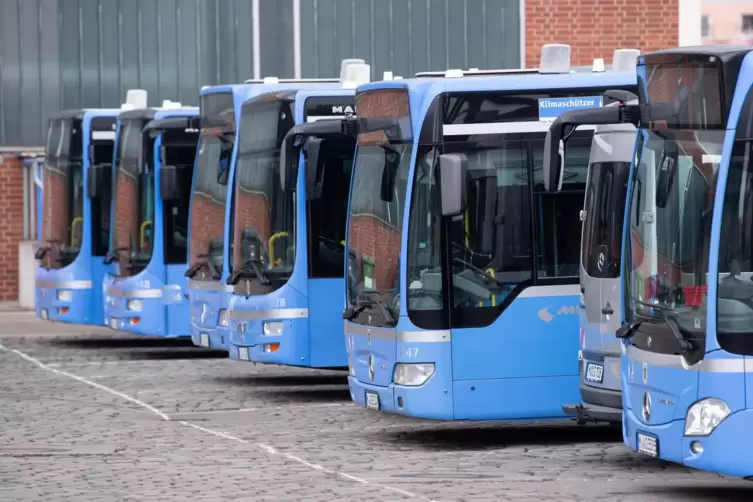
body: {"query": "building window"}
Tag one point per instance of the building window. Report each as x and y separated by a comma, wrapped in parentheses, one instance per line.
(747, 24)
(705, 26)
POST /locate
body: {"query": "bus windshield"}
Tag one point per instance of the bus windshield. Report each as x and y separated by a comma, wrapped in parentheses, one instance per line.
(263, 214)
(670, 216)
(377, 203)
(209, 193)
(64, 194)
(492, 246)
(134, 199)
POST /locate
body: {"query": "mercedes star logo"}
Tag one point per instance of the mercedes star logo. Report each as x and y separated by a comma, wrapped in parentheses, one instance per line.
(600, 262)
(646, 407)
(371, 367)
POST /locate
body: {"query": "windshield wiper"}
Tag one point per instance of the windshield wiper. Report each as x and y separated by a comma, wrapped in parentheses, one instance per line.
(666, 315)
(203, 263)
(113, 256)
(384, 309)
(250, 267)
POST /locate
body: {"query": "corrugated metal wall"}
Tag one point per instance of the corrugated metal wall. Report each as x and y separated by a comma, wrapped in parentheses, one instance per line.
(58, 54)
(408, 36)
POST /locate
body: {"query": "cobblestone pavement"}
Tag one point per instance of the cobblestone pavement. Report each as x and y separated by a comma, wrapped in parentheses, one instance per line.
(88, 414)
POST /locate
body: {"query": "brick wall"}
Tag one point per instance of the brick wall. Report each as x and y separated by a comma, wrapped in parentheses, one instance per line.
(12, 230)
(127, 217)
(595, 28)
(372, 237)
(55, 218)
(207, 224)
(251, 211)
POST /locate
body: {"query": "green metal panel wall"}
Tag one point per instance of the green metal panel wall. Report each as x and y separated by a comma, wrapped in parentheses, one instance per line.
(408, 36)
(58, 54)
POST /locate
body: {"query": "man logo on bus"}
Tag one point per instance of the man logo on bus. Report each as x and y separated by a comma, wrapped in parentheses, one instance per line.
(346, 110)
(546, 316)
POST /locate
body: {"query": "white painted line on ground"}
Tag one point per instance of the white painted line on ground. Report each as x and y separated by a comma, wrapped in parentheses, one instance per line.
(89, 382)
(93, 363)
(264, 447)
(266, 408)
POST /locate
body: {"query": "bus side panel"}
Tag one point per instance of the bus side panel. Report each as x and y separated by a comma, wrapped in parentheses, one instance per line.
(533, 337)
(98, 269)
(525, 365)
(178, 310)
(326, 336)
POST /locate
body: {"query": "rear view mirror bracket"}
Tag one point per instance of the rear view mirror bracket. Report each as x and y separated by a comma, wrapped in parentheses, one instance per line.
(555, 145)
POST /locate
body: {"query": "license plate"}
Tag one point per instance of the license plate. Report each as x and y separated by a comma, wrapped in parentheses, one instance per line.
(113, 323)
(372, 401)
(648, 445)
(594, 373)
(243, 353)
(204, 342)
(44, 314)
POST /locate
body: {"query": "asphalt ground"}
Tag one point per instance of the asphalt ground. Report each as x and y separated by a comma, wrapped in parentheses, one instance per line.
(92, 414)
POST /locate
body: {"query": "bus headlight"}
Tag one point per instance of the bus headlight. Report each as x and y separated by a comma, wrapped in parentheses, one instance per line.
(223, 318)
(135, 305)
(65, 295)
(413, 374)
(272, 328)
(704, 416)
(351, 369)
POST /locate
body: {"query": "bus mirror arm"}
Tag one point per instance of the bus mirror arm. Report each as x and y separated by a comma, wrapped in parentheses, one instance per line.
(452, 176)
(295, 139)
(564, 126)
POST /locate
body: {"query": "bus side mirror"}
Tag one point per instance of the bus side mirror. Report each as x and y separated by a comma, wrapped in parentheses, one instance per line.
(97, 180)
(168, 183)
(289, 155)
(312, 149)
(564, 125)
(665, 179)
(391, 163)
(554, 155)
(452, 173)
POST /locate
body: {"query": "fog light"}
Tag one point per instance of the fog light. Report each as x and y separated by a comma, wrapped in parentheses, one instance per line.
(65, 295)
(351, 369)
(696, 447)
(223, 319)
(272, 328)
(135, 305)
(133, 321)
(271, 347)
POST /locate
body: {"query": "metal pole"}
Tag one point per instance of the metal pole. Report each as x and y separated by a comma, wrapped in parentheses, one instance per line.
(255, 23)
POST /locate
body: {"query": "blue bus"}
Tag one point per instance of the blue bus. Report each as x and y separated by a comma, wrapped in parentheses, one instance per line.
(211, 196)
(76, 216)
(145, 287)
(462, 291)
(288, 226)
(686, 340)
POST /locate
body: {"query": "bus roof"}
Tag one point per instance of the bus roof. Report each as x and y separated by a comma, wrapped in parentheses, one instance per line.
(158, 113)
(81, 113)
(506, 83)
